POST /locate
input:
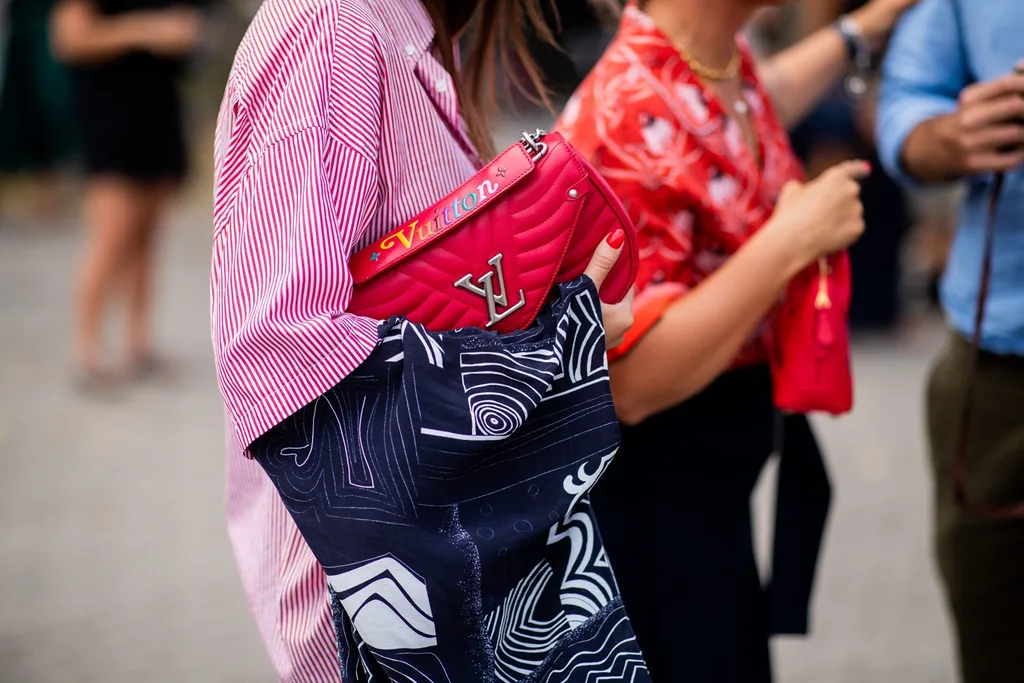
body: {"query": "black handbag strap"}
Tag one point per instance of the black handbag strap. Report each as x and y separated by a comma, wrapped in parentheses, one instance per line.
(1016, 510)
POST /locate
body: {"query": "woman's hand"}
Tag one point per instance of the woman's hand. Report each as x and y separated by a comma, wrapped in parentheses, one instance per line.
(822, 217)
(618, 318)
(877, 18)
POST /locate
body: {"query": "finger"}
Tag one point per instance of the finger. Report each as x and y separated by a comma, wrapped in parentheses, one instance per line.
(849, 232)
(995, 161)
(856, 169)
(859, 226)
(854, 209)
(995, 138)
(997, 87)
(999, 110)
(848, 187)
(605, 256)
(624, 323)
(611, 342)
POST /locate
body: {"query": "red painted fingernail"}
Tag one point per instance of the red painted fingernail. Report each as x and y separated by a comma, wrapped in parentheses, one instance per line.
(867, 165)
(616, 238)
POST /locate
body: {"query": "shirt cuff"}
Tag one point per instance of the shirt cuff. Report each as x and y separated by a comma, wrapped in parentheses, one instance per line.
(894, 128)
(648, 307)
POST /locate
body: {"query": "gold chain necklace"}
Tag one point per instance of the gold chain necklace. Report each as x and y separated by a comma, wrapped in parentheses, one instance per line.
(730, 70)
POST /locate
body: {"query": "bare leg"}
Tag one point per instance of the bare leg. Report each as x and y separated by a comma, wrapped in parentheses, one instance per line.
(112, 213)
(48, 197)
(139, 273)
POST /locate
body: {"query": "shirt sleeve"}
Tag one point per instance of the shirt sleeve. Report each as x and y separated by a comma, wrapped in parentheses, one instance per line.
(298, 183)
(281, 331)
(922, 76)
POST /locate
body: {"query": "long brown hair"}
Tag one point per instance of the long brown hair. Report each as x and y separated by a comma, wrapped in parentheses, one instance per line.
(497, 38)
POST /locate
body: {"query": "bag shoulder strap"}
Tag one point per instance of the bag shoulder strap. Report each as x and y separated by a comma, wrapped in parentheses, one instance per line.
(960, 463)
(480, 191)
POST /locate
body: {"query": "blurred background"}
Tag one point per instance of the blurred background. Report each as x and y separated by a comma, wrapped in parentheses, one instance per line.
(114, 562)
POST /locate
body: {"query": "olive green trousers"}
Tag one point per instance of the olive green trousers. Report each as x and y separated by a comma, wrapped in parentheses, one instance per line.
(981, 558)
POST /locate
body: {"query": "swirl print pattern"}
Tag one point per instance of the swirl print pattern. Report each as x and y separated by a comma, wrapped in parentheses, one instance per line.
(443, 487)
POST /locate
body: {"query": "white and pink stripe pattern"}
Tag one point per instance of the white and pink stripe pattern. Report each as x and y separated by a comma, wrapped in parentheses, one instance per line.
(337, 124)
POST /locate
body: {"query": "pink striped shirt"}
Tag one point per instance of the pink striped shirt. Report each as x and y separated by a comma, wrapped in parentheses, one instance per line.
(337, 124)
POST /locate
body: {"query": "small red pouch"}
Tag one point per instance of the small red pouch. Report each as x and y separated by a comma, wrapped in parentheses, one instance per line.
(810, 355)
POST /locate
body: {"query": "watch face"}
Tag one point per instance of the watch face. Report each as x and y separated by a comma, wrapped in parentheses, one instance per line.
(856, 85)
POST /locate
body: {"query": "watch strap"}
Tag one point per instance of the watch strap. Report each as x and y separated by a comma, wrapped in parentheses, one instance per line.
(858, 54)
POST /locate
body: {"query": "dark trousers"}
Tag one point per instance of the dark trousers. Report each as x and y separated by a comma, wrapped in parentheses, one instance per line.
(981, 559)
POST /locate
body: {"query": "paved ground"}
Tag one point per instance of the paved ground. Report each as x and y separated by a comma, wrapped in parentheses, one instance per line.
(114, 563)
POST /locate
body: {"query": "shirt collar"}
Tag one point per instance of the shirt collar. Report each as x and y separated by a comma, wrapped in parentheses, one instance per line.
(410, 25)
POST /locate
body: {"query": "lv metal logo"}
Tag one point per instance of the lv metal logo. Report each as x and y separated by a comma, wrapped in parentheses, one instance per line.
(486, 290)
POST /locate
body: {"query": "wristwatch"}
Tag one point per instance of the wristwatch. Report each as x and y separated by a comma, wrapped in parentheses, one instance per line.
(858, 53)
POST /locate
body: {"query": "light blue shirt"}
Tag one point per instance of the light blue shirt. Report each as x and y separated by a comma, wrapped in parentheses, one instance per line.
(938, 48)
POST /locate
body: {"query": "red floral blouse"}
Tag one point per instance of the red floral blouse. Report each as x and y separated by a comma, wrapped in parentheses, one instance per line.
(679, 163)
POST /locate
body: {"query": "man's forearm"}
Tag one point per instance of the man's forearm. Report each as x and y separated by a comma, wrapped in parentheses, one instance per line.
(929, 154)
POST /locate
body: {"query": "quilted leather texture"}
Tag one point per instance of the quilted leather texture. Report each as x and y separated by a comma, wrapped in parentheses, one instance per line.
(545, 229)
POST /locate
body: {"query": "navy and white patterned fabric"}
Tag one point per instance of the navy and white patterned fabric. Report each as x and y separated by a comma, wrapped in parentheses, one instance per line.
(443, 487)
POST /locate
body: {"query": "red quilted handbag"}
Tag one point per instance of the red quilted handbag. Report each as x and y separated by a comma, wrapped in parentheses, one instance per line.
(489, 254)
(811, 355)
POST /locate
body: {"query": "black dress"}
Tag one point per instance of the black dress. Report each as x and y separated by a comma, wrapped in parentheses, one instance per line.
(674, 510)
(129, 110)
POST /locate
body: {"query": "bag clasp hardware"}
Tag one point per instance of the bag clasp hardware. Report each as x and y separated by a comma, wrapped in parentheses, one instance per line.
(486, 291)
(534, 144)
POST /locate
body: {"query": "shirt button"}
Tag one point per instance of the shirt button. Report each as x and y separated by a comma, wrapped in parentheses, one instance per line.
(441, 85)
(410, 49)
